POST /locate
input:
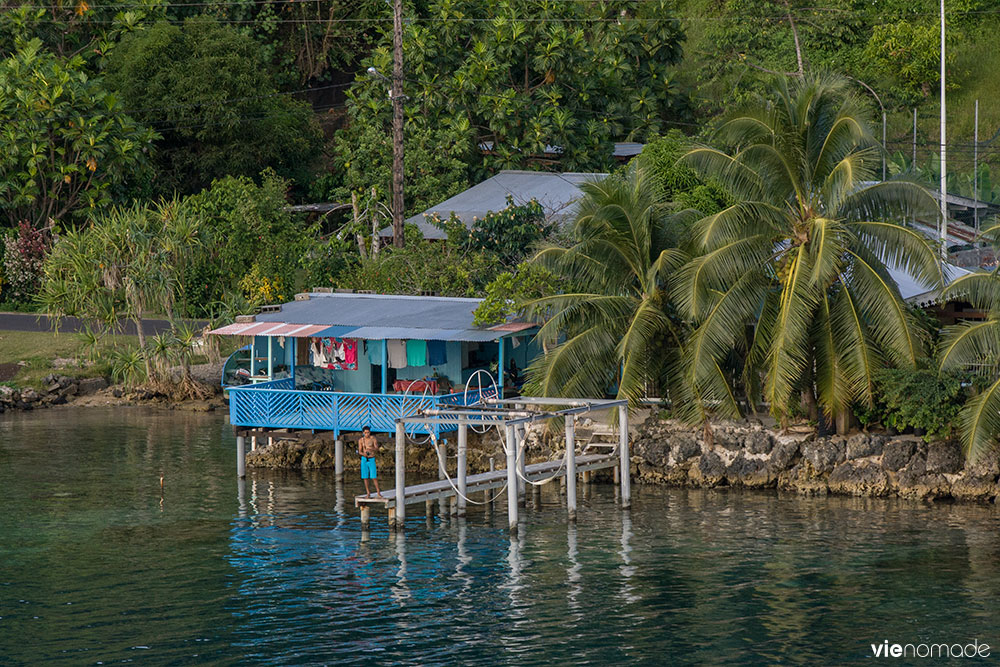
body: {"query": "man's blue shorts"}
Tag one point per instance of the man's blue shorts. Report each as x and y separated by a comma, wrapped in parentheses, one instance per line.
(368, 467)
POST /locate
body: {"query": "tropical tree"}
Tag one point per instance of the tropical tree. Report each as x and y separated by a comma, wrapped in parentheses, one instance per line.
(66, 141)
(612, 324)
(804, 255)
(119, 268)
(975, 346)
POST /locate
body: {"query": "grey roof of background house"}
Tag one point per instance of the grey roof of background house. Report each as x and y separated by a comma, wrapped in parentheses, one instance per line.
(556, 192)
(379, 316)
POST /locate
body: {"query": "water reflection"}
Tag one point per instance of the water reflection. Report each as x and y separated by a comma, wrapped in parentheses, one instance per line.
(282, 573)
(573, 575)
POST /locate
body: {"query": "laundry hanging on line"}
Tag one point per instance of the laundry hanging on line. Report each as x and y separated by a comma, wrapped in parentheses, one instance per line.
(397, 353)
(437, 353)
(335, 353)
(416, 353)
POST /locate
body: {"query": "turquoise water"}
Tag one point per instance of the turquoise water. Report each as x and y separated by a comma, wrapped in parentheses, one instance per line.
(98, 567)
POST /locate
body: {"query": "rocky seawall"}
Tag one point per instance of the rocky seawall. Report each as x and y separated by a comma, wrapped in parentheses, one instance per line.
(861, 464)
(56, 390)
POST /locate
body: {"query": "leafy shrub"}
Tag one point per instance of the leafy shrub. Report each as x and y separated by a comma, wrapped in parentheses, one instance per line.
(23, 258)
(508, 234)
(919, 399)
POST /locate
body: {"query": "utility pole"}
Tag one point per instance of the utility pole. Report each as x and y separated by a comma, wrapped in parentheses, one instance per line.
(397, 123)
(944, 149)
(975, 168)
(883, 146)
(914, 164)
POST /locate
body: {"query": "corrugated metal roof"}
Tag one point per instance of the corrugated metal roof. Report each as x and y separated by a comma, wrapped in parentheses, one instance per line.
(374, 317)
(916, 292)
(556, 192)
(273, 329)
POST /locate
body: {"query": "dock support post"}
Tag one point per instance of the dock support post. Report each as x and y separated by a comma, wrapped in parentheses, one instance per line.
(338, 460)
(400, 514)
(442, 456)
(463, 463)
(511, 480)
(241, 456)
(429, 508)
(366, 516)
(571, 467)
(522, 446)
(625, 458)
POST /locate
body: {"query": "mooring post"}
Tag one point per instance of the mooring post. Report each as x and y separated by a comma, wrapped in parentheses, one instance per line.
(366, 516)
(511, 480)
(624, 456)
(463, 463)
(571, 467)
(241, 456)
(400, 514)
(338, 460)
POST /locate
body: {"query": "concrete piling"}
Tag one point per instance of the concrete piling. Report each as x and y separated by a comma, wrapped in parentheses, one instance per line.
(571, 467)
(511, 480)
(463, 447)
(338, 460)
(241, 456)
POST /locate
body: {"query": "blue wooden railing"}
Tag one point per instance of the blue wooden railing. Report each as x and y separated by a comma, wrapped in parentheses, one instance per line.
(276, 404)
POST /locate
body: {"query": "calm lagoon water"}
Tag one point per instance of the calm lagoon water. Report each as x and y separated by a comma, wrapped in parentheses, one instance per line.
(98, 567)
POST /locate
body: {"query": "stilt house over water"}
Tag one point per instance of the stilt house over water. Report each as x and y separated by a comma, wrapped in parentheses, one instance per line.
(339, 361)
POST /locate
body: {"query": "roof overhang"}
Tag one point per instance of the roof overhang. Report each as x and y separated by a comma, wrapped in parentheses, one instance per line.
(272, 329)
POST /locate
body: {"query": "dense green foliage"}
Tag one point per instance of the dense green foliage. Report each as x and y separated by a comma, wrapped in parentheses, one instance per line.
(915, 399)
(681, 185)
(549, 84)
(250, 244)
(63, 139)
(206, 87)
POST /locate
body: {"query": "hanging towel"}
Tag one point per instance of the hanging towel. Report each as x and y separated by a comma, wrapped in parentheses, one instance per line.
(350, 348)
(416, 353)
(397, 353)
(374, 350)
(437, 353)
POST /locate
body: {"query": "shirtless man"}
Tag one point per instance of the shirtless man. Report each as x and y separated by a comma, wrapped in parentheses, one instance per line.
(368, 447)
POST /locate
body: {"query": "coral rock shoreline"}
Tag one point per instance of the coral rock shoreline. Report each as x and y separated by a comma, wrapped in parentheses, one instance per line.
(861, 464)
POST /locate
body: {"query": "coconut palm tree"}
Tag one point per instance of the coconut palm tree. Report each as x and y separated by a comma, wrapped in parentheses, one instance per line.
(975, 346)
(803, 256)
(612, 327)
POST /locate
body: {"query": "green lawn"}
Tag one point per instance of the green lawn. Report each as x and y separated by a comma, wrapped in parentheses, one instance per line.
(39, 349)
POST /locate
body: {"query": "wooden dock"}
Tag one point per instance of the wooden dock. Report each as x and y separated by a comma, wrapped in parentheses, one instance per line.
(486, 481)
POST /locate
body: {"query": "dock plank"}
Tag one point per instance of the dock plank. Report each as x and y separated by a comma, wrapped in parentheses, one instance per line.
(485, 481)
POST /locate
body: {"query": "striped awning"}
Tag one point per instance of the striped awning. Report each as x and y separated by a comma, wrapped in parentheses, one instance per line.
(271, 329)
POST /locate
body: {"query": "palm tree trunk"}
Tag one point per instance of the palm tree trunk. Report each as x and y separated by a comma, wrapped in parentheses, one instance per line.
(843, 418)
(809, 405)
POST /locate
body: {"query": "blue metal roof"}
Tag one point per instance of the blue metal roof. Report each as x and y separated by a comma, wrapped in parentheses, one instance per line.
(381, 317)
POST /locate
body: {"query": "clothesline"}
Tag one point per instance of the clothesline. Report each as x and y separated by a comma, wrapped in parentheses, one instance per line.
(342, 353)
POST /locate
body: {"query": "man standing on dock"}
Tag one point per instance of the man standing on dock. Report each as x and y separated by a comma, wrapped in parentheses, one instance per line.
(368, 447)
